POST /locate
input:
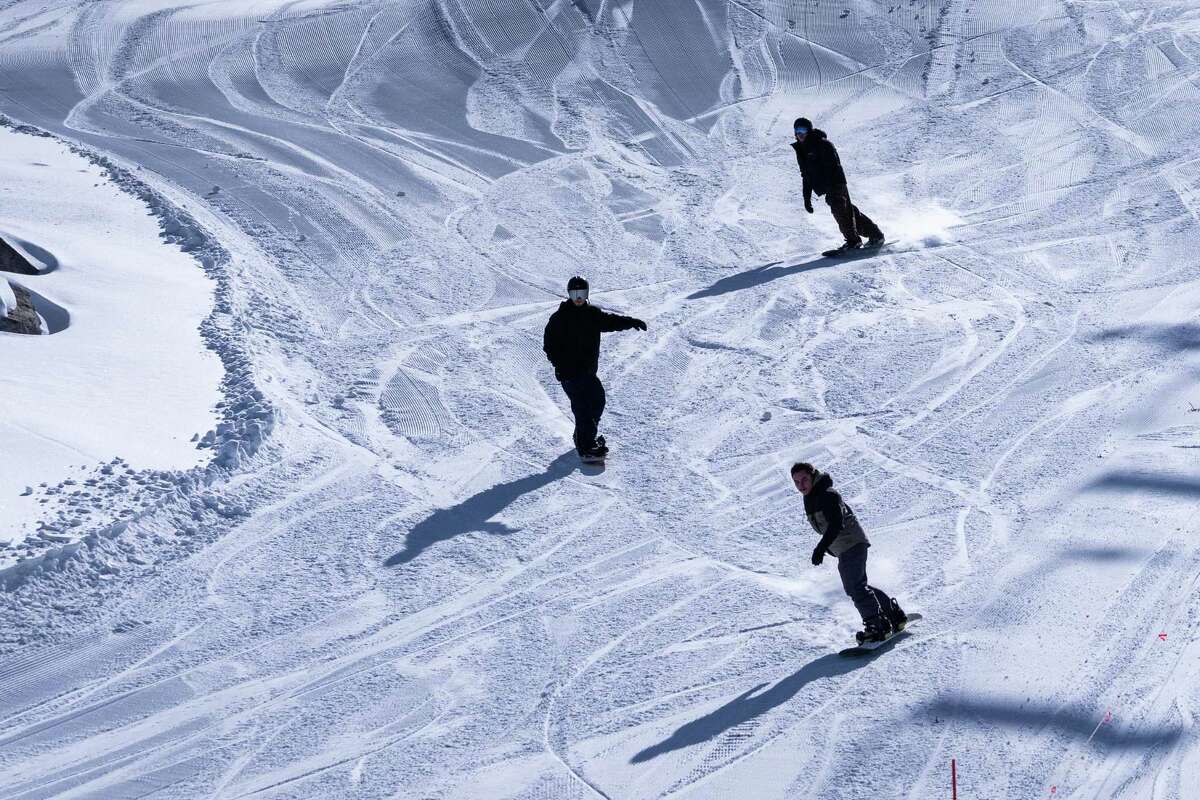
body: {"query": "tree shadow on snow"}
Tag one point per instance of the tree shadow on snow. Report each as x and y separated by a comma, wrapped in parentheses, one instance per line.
(1146, 482)
(475, 513)
(754, 704)
(1077, 723)
(764, 274)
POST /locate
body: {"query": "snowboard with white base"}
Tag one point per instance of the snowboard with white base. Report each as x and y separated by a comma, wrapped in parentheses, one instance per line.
(870, 647)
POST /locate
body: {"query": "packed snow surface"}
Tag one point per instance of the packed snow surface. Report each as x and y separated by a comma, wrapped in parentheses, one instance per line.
(124, 372)
(390, 577)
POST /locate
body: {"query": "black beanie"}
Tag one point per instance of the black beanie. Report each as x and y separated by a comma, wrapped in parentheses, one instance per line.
(802, 122)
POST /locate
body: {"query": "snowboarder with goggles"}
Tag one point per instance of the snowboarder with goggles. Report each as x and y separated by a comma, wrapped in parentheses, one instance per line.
(821, 171)
(572, 343)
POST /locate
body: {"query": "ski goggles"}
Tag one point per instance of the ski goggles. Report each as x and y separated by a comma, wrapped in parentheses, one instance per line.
(577, 294)
(801, 130)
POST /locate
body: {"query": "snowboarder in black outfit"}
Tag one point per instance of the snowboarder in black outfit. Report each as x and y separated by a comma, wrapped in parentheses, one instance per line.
(821, 169)
(572, 343)
(843, 537)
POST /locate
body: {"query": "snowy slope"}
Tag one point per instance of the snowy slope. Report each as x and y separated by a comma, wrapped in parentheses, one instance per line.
(411, 589)
(125, 374)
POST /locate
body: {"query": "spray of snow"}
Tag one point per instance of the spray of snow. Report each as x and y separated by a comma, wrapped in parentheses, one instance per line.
(924, 223)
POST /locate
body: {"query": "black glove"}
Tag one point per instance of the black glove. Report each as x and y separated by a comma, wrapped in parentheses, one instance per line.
(808, 205)
(638, 325)
(818, 555)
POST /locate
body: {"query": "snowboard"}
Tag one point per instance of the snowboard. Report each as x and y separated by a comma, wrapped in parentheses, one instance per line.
(870, 647)
(597, 459)
(862, 252)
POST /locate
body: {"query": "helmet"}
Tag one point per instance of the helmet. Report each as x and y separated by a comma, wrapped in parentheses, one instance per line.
(577, 290)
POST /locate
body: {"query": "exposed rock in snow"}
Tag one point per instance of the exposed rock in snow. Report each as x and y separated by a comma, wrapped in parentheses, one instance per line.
(17, 313)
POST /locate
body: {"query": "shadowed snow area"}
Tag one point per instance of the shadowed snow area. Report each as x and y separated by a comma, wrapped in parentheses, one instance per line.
(410, 591)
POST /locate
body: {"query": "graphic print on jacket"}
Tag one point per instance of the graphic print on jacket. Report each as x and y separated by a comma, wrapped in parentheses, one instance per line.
(831, 518)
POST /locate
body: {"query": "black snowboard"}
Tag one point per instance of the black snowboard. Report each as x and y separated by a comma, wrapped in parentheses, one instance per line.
(871, 647)
(863, 252)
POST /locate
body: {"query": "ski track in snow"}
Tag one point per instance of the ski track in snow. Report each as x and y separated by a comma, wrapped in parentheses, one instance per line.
(411, 588)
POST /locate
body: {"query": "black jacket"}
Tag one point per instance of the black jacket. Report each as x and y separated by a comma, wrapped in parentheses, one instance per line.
(832, 518)
(572, 338)
(819, 164)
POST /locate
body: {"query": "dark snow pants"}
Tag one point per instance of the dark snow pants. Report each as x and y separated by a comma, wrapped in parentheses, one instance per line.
(852, 222)
(852, 566)
(587, 405)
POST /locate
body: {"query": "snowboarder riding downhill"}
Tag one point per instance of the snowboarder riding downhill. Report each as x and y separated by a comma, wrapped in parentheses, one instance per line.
(821, 169)
(572, 343)
(843, 537)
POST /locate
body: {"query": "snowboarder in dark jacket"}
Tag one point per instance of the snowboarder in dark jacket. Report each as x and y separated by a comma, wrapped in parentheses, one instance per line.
(572, 343)
(821, 170)
(842, 537)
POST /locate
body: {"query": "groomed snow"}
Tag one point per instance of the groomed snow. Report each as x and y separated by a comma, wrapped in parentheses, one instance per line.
(411, 589)
(129, 375)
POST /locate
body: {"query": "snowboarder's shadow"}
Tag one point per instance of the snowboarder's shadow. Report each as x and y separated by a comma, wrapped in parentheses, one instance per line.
(476, 512)
(760, 275)
(753, 704)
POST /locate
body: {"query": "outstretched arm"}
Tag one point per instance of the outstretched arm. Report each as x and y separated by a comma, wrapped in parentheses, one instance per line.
(619, 322)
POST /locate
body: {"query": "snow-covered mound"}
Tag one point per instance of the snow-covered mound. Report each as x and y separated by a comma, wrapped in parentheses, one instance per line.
(125, 374)
(389, 576)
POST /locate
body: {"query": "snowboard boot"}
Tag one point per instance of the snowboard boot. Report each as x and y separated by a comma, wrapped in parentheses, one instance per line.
(845, 250)
(875, 629)
(875, 242)
(595, 453)
(897, 616)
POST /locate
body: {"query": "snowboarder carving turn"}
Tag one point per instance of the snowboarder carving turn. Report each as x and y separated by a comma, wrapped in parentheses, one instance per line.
(821, 170)
(842, 537)
(572, 343)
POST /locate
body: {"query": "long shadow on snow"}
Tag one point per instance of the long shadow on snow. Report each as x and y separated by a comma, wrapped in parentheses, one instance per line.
(1145, 482)
(1074, 722)
(1178, 338)
(753, 704)
(475, 513)
(764, 274)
